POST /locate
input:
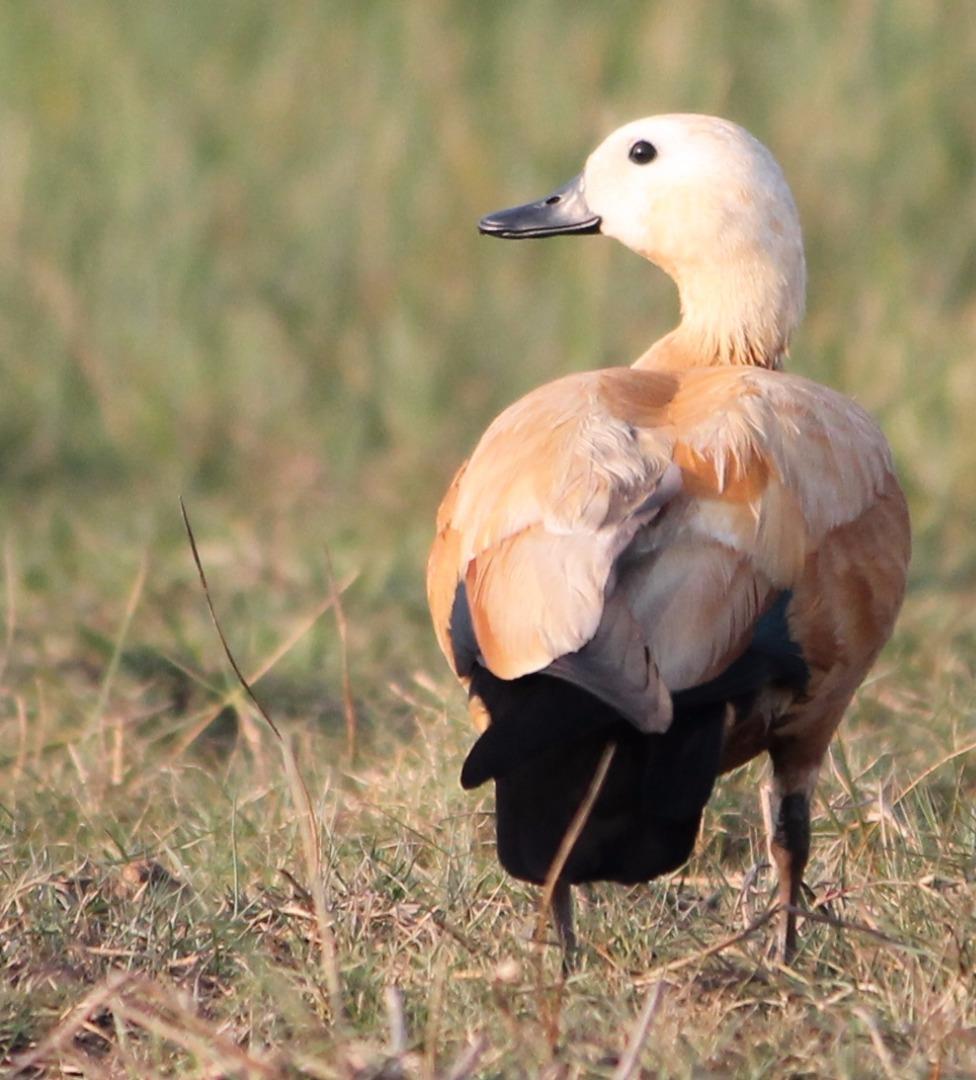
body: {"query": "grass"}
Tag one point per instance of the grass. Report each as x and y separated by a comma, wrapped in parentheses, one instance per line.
(237, 264)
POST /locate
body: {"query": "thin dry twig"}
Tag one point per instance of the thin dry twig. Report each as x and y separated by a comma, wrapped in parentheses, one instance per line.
(652, 1003)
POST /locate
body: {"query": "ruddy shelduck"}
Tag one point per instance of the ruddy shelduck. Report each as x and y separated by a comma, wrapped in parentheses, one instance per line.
(694, 560)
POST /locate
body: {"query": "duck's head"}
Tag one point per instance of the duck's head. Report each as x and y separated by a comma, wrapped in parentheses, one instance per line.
(706, 202)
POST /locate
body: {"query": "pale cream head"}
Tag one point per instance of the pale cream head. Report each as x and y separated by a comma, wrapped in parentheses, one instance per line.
(710, 207)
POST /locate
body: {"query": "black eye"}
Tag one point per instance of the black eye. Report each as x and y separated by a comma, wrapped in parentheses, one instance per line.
(642, 152)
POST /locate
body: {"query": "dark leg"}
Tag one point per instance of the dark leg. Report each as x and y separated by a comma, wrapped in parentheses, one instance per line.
(789, 846)
(562, 916)
(787, 812)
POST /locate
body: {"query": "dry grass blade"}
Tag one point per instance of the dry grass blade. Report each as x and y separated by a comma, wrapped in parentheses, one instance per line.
(628, 1063)
(348, 705)
(199, 722)
(468, 1060)
(10, 603)
(549, 1006)
(847, 924)
(308, 827)
(923, 776)
(393, 1000)
(220, 633)
(570, 837)
(159, 1010)
(302, 799)
(435, 1008)
(756, 924)
(108, 680)
(445, 924)
(884, 1057)
(76, 1019)
(703, 954)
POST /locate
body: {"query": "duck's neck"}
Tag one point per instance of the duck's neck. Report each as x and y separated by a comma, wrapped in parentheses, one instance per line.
(739, 315)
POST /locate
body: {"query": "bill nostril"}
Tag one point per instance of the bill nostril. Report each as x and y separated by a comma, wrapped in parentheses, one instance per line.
(553, 199)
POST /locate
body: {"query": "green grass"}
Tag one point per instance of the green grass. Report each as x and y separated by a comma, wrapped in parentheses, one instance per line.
(238, 263)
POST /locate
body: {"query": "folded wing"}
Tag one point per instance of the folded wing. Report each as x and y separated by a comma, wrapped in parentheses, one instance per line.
(626, 530)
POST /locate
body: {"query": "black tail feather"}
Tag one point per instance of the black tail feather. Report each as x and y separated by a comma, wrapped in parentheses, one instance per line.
(543, 750)
(546, 737)
(527, 716)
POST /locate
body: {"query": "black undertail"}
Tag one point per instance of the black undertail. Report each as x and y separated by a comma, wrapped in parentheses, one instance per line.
(545, 741)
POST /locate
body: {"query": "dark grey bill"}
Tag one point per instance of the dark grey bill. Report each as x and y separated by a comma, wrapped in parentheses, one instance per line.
(564, 211)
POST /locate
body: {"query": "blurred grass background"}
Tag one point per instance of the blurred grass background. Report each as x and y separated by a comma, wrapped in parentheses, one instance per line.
(238, 262)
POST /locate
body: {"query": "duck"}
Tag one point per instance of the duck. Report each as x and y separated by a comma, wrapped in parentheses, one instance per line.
(646, 576)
